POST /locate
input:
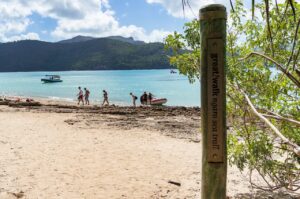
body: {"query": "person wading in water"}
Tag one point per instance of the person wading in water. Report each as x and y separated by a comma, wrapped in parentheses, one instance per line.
(86, 96)
(143, 99)
(80, 96)
(150, 98)
(105, 98)
(134, 98)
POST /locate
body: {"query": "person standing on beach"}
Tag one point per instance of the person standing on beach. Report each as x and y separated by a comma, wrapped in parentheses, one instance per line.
(134, 98)
(80, 96)
(150, 98)
(144, 99)
(105, 98)
(86, 96)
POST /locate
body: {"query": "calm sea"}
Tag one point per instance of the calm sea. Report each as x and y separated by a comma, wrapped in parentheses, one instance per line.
(176, 88)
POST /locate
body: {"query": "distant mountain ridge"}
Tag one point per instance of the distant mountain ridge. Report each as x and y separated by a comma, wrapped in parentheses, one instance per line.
(81, 38)
(78, 38)
(128, 40)
(82, 53)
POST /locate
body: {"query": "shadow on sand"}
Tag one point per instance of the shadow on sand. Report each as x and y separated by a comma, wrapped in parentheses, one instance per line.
(267, 195)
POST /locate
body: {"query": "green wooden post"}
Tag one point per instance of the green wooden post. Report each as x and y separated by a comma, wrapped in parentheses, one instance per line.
(213, 101)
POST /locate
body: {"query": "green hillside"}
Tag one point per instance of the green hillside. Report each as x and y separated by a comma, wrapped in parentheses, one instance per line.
(90, 54)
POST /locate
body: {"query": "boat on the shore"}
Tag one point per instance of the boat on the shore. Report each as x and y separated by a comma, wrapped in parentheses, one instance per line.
(159, 102)
(51, 79)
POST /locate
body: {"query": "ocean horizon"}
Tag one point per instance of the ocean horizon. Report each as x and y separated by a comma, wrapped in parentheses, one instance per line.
(119, 83)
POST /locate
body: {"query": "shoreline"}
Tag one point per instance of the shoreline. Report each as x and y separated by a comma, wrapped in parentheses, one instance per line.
(174, 121)
(64, 101)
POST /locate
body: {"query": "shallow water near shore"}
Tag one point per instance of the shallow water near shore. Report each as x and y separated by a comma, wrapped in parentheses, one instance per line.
(175, 87)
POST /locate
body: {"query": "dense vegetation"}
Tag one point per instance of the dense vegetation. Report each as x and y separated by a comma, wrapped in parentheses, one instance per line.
(82, 54)
(263, 106)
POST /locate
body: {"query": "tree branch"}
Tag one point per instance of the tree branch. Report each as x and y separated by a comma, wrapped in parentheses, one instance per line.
(253, 9)
(279, 117)
(231, 4)
(279, 66)
(277, 9)
(294, 45)
(293, 9)
(269, 26)
(296, 58)
(296, 148)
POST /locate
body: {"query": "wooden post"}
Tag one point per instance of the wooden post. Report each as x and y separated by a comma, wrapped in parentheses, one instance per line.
(213, 101)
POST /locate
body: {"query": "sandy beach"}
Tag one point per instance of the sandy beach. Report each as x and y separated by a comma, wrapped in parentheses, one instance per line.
(58, 150)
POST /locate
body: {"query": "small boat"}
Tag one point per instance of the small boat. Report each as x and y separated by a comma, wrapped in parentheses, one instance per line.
(173, 72)
(51, 79)
(159, 101)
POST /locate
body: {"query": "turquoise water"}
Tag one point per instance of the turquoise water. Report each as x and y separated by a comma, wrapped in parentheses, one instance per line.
(176, 88)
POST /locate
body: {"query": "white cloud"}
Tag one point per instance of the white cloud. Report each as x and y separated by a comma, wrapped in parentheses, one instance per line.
(158, 35)
(174, 7)
(13, 19)
(28, 36)
(139, 34)
(13, 9)
(14, 25)
(101, 22)
(73, 17)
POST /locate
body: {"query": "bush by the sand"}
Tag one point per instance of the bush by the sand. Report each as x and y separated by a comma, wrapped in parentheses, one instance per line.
(263, 85)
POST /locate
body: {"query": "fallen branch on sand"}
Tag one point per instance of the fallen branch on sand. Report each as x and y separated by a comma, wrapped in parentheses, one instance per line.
(174, 183)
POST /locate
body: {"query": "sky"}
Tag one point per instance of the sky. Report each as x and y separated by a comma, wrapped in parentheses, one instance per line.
(55, 20)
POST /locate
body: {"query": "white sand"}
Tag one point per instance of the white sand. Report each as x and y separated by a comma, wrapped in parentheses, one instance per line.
(44, 157)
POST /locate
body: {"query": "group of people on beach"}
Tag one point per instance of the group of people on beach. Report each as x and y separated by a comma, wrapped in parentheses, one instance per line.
(83, 97)
(146, 98)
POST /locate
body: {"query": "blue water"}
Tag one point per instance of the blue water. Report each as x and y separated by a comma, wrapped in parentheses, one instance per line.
(176, 88)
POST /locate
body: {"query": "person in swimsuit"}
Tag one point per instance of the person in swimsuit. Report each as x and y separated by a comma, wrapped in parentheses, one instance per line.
(105, 98)
(86, 96)
(143, 98)
(80, 96)
(150, 98)
(134, 98)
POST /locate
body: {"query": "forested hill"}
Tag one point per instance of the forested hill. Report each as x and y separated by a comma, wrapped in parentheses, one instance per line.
(82, 53)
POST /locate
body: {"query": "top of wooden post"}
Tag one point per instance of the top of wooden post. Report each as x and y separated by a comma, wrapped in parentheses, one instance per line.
(213, 11)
